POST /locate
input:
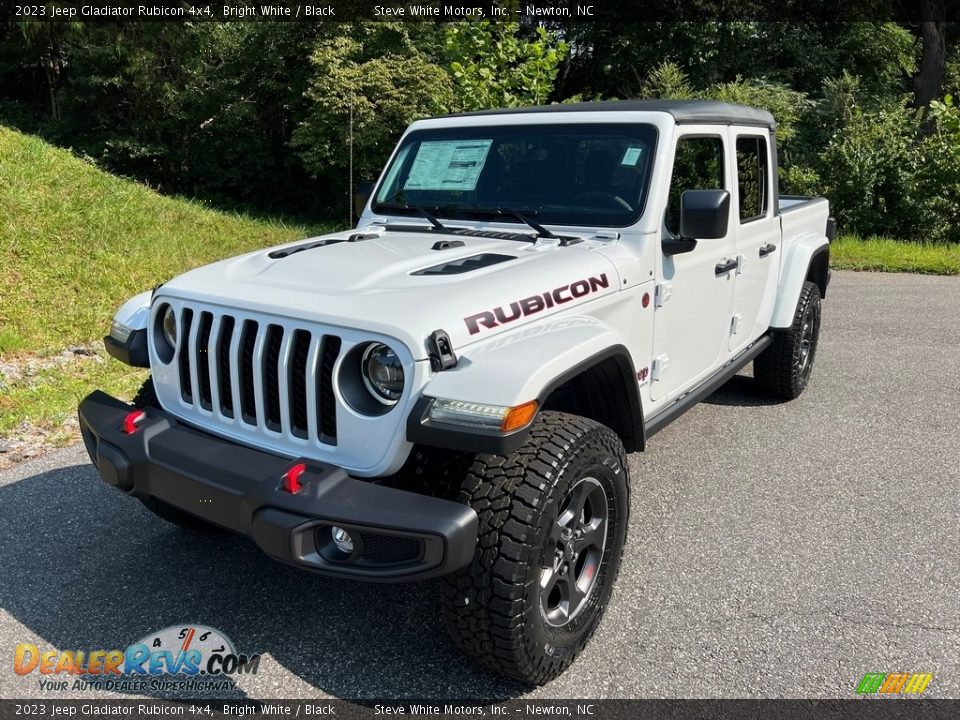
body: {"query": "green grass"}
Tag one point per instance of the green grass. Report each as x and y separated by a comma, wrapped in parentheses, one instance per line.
(75, 242)
(888, 255)
(46, 399)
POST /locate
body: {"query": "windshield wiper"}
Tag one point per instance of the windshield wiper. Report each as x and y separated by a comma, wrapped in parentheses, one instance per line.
(514, 213)
(437, 225)
(518, 214)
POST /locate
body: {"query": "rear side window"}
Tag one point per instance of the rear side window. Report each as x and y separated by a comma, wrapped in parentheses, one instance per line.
(697, 165)
(752, 177)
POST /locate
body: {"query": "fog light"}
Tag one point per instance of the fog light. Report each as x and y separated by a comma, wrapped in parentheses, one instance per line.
(342, 539)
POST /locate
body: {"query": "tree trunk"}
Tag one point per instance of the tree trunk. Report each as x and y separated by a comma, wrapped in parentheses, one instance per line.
(928, 82)
(51, 69)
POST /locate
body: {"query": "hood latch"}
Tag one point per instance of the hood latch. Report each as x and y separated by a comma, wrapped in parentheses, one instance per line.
(440, 349)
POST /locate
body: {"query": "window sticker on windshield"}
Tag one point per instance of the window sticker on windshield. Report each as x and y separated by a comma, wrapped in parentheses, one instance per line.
(632, 156)
(448, 165)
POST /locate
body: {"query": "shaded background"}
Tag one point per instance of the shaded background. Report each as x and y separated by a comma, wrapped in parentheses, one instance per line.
(256, 115)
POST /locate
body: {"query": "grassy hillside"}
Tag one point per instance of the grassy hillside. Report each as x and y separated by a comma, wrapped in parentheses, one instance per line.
(75, 242)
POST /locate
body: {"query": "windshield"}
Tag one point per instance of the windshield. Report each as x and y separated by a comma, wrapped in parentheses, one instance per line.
(582, 174)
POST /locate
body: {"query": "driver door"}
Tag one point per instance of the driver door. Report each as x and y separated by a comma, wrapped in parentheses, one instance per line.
(693, 298)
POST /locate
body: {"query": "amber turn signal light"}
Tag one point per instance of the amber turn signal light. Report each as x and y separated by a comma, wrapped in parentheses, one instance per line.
(519, 416)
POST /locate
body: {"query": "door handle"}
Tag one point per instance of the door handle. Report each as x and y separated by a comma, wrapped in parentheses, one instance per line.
(725, 267)
(766, 249)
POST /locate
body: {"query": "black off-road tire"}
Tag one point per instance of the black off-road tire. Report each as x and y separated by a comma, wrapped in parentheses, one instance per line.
(493, 608)
(146, 397)
(783, 369)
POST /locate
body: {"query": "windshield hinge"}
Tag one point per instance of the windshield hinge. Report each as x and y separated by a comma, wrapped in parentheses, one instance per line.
(543, 243)
(606, 235)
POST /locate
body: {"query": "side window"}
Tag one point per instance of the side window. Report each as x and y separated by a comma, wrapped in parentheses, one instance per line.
(752, 177)
(697, 165)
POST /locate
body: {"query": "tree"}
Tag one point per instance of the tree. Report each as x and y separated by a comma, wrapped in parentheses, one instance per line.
(493, 65)
(367, 86)
(928, 82)
(668, 81)
(45, 44)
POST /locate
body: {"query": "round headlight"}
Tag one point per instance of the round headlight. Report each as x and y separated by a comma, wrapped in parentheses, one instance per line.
(382, 373)
(169, 326)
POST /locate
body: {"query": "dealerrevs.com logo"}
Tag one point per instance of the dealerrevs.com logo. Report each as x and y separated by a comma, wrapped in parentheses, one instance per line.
(184, 657)
(897, 683)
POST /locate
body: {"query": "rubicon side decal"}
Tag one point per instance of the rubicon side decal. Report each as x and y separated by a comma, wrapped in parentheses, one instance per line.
(535, 303)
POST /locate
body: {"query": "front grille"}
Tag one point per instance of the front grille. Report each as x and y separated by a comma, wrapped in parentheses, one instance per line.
(297, 382)
(265, 375)
(248, 341)
(326, 402)
(271, 376)
(183, 364)
(203, 357)
(223, 365)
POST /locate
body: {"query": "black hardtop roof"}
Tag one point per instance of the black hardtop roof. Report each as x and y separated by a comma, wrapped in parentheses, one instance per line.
(683, 111)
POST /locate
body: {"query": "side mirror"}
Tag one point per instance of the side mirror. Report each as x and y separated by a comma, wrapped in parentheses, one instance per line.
(704, 214)
(360, 197)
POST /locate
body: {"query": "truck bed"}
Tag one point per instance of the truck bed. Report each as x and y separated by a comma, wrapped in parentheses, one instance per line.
(801, 215)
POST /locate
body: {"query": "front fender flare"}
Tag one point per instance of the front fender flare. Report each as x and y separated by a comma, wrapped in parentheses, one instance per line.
(519, 366)
(131, 321)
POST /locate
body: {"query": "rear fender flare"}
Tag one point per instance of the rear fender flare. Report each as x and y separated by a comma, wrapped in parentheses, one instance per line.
(803, 252)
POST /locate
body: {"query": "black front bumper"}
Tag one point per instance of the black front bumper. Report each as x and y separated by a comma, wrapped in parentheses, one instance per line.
(398, 535)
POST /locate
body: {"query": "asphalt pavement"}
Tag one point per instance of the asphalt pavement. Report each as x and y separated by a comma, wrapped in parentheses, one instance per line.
(775, 549)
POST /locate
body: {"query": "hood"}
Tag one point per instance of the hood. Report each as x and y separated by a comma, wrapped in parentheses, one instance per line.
(397, 284)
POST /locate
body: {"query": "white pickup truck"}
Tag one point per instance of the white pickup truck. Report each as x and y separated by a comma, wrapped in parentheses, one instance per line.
(451, 388)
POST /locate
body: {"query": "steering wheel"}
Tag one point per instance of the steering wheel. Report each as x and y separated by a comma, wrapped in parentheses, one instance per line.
(608, 199)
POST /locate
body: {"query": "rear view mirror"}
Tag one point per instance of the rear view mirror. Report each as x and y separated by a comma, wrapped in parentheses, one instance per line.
(361, 196)
(704, 214)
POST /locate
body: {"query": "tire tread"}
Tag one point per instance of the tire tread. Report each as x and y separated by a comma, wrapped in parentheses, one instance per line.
(774, 368)
(483, 604)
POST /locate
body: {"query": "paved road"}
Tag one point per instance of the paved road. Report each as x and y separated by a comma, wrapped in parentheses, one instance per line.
(775, 549)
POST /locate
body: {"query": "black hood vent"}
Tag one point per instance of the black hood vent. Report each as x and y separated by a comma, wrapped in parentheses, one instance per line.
(494, 234)
(286, 252)
(467, 232)
(465, 265)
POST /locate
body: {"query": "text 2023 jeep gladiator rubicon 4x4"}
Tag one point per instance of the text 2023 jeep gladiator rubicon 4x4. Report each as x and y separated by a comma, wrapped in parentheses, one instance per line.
(450, 389)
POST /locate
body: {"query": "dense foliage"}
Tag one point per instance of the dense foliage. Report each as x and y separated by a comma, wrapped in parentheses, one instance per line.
(264, 115)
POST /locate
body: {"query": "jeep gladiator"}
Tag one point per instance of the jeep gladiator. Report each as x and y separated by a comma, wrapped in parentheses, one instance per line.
(450, 389)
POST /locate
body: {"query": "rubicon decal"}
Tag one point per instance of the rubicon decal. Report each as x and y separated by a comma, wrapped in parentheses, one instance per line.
(535, 303)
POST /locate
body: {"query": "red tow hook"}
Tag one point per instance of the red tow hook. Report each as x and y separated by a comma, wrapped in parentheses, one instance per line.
(132, 421)
(291, 479)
